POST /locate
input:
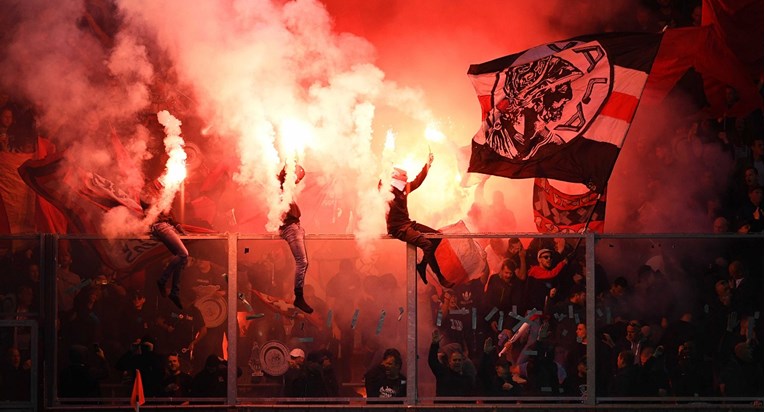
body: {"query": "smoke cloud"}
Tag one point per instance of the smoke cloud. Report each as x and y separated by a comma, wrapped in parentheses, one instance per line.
(263, 84)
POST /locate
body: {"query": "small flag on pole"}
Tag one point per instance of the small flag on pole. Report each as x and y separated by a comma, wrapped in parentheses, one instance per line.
(136, 398)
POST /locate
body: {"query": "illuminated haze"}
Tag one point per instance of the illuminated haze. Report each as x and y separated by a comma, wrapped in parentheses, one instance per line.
(318, 84)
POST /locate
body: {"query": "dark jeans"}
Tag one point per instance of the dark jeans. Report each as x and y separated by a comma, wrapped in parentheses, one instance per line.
(413, 234)
(169, 237)
(294, 234)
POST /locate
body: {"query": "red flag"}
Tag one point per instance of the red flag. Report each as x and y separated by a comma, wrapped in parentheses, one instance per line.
(560, 110)
(739, 24)
(702, 49)
(136, 397)
(48, 218)
(559, 212)
(84, 198)
(459, 259)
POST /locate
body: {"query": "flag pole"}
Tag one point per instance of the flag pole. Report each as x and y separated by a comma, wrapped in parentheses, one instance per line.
(589, 219)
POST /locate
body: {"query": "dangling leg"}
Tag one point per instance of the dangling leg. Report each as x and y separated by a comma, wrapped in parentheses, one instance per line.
(172, 241)
(429, 254)
(294, 234)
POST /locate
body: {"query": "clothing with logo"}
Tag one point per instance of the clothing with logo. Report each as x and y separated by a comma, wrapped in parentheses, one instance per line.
(379, 385)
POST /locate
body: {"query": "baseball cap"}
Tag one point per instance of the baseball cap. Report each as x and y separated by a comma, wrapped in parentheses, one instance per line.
(297, 353)
(542, 252)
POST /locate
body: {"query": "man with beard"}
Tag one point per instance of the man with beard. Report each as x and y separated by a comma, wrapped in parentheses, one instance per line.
(385, 380)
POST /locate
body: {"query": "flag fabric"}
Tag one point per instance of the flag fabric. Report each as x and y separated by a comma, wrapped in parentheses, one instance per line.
(702, 49)
(460, 260)
(48, 219)
(84, 198)
(559, 212)
(136, 397)
(5, 226)
(739, 24)
(560, 110)
(18, 199)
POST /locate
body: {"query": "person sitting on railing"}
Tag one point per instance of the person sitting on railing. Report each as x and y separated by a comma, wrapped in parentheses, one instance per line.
(403, 228)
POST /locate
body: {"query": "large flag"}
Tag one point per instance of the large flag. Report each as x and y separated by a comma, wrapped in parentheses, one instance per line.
(558, 212)
(560, 110)
(85, 198)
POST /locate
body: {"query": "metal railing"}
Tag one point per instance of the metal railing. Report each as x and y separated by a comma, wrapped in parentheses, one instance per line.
(48, 245)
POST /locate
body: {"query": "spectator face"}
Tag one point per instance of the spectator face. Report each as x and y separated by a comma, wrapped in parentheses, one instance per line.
(14, 357)
(296, 362)
(34, 273)
(617, 290)
(720, 225)
(391, 365)
(755, 196)
(645, 355)
(545, 260)
(455, 362)
(505, 273)
(173, 364)
(514, 248)
(757, 149)
(6, 118)
(750, 176)
(633, 332)
(502, 370)
(581, 331)
(581, 368)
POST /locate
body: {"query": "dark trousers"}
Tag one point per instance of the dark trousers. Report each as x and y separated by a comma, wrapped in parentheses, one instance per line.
(412, 233)
(169, 237)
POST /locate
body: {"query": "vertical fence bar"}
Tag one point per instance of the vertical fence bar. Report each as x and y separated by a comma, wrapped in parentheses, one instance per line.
(590, 316)
(48, 316)
(411, 326)
(232, 329)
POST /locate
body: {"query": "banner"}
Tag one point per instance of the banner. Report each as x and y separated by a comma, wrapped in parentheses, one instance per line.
(560, 110)
(559, 212)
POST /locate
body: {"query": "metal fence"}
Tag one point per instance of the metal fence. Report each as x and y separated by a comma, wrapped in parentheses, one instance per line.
(240, 286)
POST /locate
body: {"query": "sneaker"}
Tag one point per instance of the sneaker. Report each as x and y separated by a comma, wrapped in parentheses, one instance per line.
(301, 304)
(445, 283)
(162, 289)
(421, 267)
(177, 300)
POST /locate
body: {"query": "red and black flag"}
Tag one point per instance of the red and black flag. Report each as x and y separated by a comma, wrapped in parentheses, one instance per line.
(558, 212)
(560, 110)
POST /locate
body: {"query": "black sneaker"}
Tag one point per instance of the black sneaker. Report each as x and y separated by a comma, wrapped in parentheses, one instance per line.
(162, 289)
(301, 304)
(177, 300)
(445, 283)
(421, 267)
